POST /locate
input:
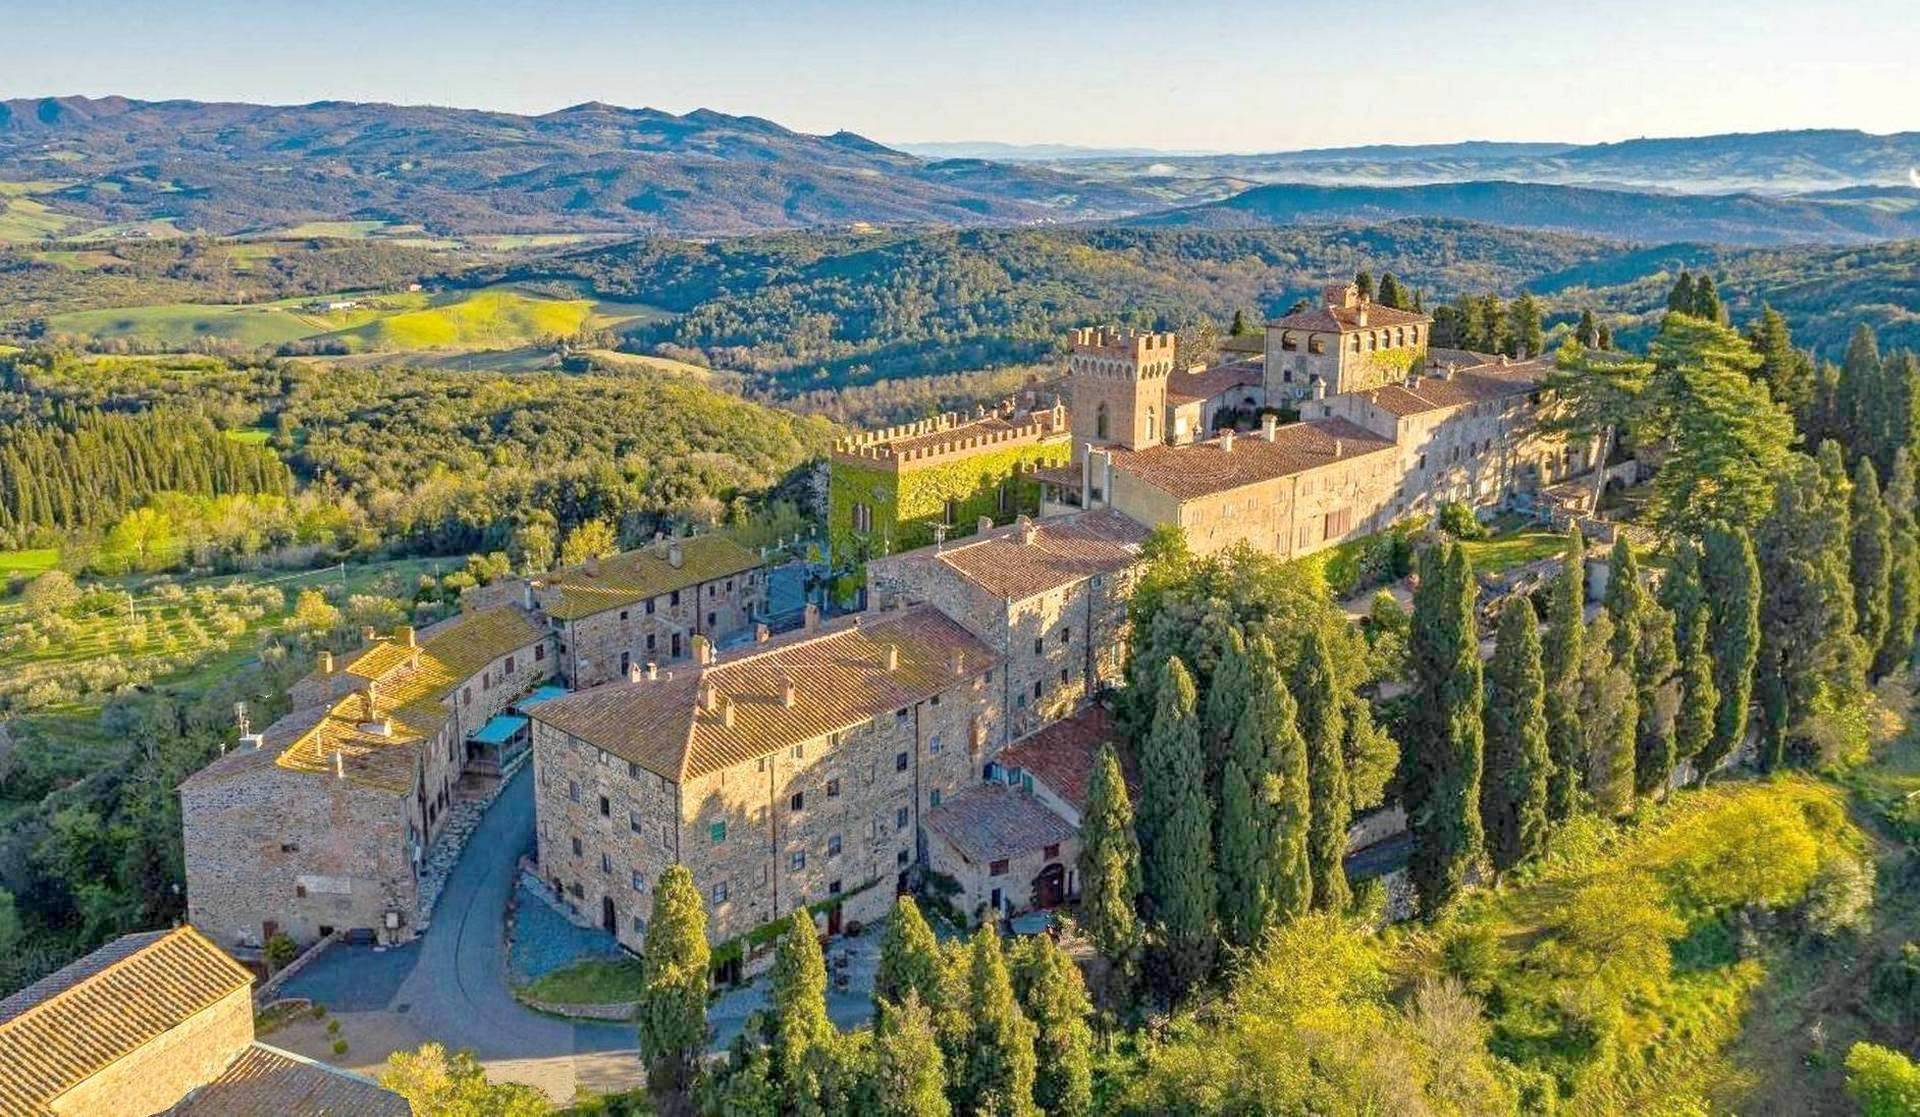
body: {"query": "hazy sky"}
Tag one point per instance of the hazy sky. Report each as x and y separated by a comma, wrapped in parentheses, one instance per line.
(1188, 74)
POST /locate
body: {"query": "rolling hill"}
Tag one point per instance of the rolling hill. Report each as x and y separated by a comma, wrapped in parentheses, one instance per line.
(1858, 214)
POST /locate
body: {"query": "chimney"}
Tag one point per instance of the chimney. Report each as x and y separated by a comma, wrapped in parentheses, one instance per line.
(702, 650)
(676, 557)
(984, 525)
(339, 766)
(726, 711)
(1025, 527)
(1336, 447)
(890, 658)
(1319, 388)
(636, 672)
(761, 633)
(325, 663)
(709, 696)
(1226, 441)
(366, 634)
(1269, 426)
(1360, 314)
(592, 566)
(788, 695)
(810, 617)
(1413, 378)
(403, 635)
(959, 662)
(653, 670)
(367, 703)
(526, 597)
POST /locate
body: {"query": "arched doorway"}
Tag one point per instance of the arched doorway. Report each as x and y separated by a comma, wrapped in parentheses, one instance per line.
(1050, 887)
(609, 918)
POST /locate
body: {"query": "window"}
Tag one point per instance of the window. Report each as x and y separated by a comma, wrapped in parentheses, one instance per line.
(933, 797)
(1039, 645)
(652, 641)
(289, 847)
(798, 861)
(633, 821)
(509, 665)
(720, 892)
(633, 770)
(900, 717)
(900, 762)
(573, 790)
(833, 888)
(606, 807)
(673, 598)
(729, 585)
(300, 891)
(798, 801)
(639, 881)
(639, 925)
(798, 752)
(623, 614)
(1066, 636)
(998, 868)
(833, 788)
(1102, 426)
(900, 858)
(666, 836)
(539, 652)
(713, 619)
(833, 845)
(650, 605)
(951, 510)
(606, 863)
(1063, 676)
(717, 833)
(862, 517)
(576, 847)
(1051, 852)
(933, 743)
(900, 819)
(1039, 688)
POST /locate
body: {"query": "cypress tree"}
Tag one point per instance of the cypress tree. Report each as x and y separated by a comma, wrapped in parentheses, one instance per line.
(1859, 404)
(1706, 301)
(996, 1070)
(1513, 789)
(1787, 371)
(1364, 281)
(1223, 707)
(1680, 298)
(1603, 337)
(1871, 552)
(1657, 701)
(1693, 722)
(1264, 876)
(1109, 863)
(1848, 675)
(1809, 651)
(1329, 802)
(1587, 333)
(1054, 998)
(1626, 601)
(1442, 761)
(1561, 654)
(1239, 326)
(1391, 293)
(910, 961)
(1493, 321)
(1731, 574)
(802, 1036)
(1608, 717)
(909, 1075)
(673, 988)
(1903, 583)
(1176, 831)
(1526, 338)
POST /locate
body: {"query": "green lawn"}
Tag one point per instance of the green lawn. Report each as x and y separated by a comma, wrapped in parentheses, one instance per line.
(23, 219)
(1502, 552)
(28, 562)
(597, 981)
(250, 436)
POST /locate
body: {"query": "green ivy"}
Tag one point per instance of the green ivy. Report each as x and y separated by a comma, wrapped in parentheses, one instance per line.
(906, 509)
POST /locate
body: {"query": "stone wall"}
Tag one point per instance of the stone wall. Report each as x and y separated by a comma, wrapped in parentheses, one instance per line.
(1014, 886)
(598, 647)
(155, 1076)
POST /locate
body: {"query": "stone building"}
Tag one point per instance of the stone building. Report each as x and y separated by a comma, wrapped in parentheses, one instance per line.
(640, 606)
(791, 771)
(320, 823)
(1118, 383)
(161, 1023)
(1346, 344)
(899, 488)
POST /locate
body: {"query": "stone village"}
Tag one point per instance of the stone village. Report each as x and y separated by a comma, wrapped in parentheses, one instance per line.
(945, 731)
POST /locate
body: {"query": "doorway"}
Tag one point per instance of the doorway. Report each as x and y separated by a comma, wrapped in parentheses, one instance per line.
(1050, 887)
(609, 918)
(833, 920)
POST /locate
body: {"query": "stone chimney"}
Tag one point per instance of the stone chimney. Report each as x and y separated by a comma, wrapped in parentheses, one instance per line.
(788, 695)
(1413, 378)
(702, 650)
(1269, 426)
(366, 634)
(339, 766)
(592, 566)
(1024, 526)
(1360, 313)
(1226, 441)
(367, 703)
(636, 672)
(1447, 370)
(653, 671)
(984, 525)
(324, 664)
(726, 711)
(709, 696)
(676, 557)
(959, 662)
(404, 636)
(761, 633)
(810, 617)
(890, 657)
(1337, 444)
(526, 597)
(1319, 388)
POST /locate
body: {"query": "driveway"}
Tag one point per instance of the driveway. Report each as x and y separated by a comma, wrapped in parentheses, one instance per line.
(450, 985)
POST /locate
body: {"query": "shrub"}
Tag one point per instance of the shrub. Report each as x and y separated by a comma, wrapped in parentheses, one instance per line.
(339, 1047)
(1840, 898)
(1884, 1082)
(1458, 520)
(280, 951)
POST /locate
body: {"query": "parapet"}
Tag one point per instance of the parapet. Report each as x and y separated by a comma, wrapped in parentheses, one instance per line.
(1127, 344)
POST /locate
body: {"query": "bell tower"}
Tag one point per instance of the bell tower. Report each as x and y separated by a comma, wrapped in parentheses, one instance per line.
(1117, 382)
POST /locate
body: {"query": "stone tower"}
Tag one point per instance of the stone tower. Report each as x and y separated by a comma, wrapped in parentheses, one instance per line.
(1117, 382)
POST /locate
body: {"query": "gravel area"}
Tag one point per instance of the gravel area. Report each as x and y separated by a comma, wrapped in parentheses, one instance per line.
(545, 939)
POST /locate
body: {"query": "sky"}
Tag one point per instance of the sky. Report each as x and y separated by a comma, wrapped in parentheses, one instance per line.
(1187, 75)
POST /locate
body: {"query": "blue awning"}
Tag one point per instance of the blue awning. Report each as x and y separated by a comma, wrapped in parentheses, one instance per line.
(500, 729)
(544, 694)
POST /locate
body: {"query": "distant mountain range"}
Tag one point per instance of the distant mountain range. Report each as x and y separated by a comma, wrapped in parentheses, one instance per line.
(1033, 153)
(1859, 214)
(74, 165)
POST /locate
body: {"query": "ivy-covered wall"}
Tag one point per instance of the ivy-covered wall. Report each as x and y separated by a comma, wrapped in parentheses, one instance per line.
(1381, 367)
(906, 510)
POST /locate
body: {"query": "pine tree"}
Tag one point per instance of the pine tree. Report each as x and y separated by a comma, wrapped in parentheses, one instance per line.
(1903, 584)
(1526, 338)
(1560, 658)
(1603, 338)
(1513, 788)
(1109, 863)
(802, 1036)
(1239, 326)
(1442, 762)
(909, 1073)
(1364, 281)
(1730, 572)
(1323, 729)
(1787, 371)
(1054, 998)
(1680, 299)
(1706, 301)
(1587, 333)
(1693, 722)
(1493, 323)
(1176, 831)
(910, 961)
(673, 990)
(1390, 292)
(1871, 552)
(996, 1071)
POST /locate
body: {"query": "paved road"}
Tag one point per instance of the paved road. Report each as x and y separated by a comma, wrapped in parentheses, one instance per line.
(452, 982)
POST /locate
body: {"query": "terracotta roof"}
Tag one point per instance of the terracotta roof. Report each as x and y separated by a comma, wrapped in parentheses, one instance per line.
(571, 593)
(1346, 319)
(1464, 385)
(268, 1080)
(68, 1026)
(1062, 755)
(1244, 343)
(990, 821)
(1191, 386)
(1202, 468)
(1063, 550)
(840, 681)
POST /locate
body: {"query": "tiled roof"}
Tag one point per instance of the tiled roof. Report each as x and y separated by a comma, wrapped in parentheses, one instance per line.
(68, 1026)
(1464, 385)
(1188, 387)
(267, 1080)
(839, 676)
(990, 821)
(1062, 754)
(571, 593)
(1346, 319)
(1203, 468)
(1063, 550)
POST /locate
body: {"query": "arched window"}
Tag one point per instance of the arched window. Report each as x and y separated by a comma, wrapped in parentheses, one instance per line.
(1153, 434)
(1101, 427)
(1356, 343)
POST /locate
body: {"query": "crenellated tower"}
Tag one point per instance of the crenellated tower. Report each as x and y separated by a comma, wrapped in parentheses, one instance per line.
(1117, 384)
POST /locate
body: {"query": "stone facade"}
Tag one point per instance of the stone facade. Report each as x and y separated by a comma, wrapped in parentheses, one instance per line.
(1347, 344)
(1118, 380)
(165, 1069)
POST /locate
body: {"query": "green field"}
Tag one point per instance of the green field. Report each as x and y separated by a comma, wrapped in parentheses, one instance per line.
(28, 562)
(178, 324)
(488, 318)
(250, 436)
(23, 219)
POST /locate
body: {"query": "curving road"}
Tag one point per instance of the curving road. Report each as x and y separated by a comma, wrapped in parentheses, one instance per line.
(451, 985)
